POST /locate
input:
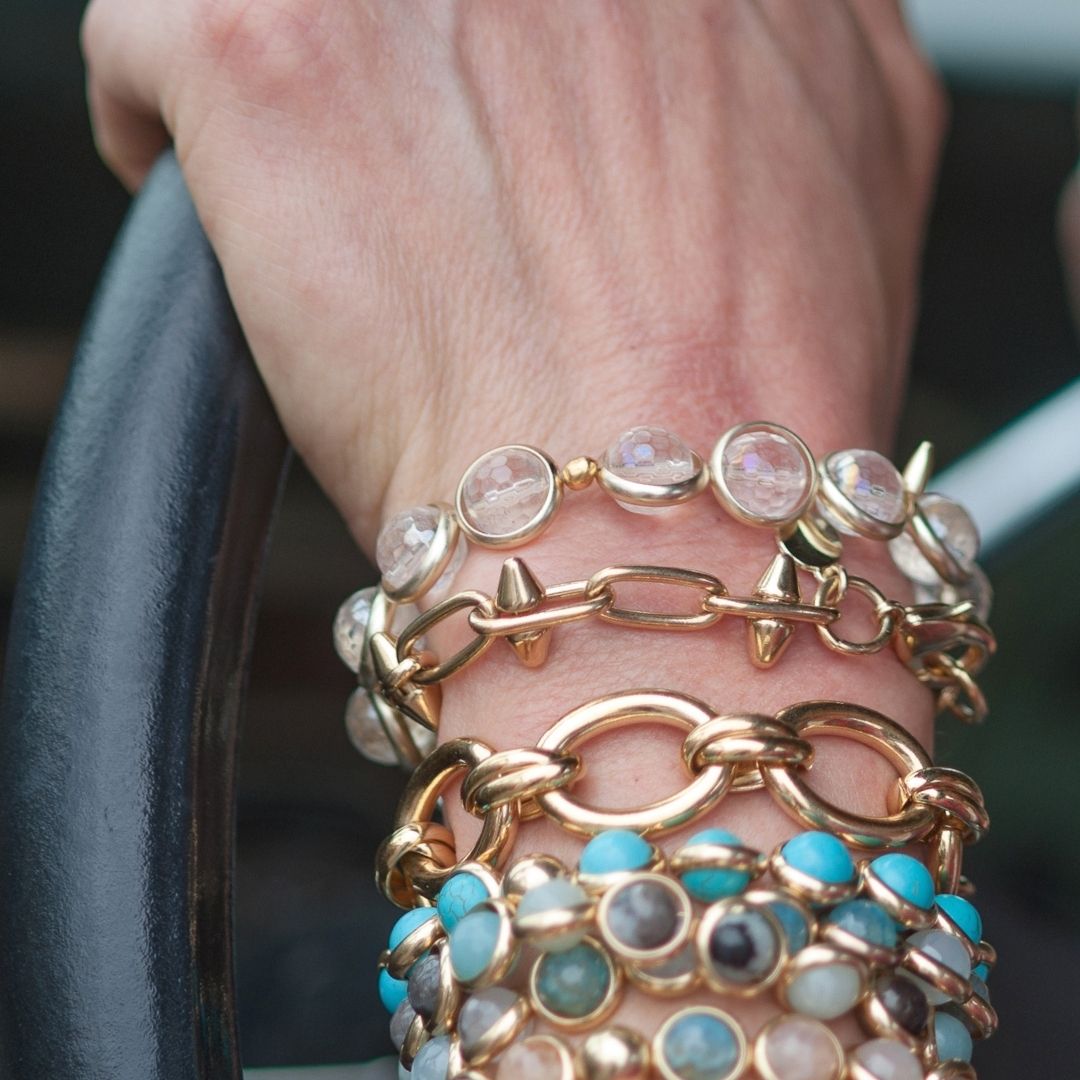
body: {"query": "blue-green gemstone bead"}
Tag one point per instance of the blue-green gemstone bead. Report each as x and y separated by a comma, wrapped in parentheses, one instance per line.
(981, 971)
(615, 850)
(953, 1039)
(868, 921)
(408, 923)
(820, 855)
(472, 943)
(458, 897)
(573, 983)
(906, 876)
(793, 923)
(700, 1046)
(962, 912)
(711, 885)
(391, 991)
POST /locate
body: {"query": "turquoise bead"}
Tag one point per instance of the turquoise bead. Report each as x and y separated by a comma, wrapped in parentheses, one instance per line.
(392, 991)
(615, 850)
(573, 983)
(793, 923)
(458, 897)
(868, 921)
(952, 1037)
(408, 923)
(472, 943)
(701, 1046)
(711, 885)
(981, 971)
(820, 855)
(906, 876)
(962, 912)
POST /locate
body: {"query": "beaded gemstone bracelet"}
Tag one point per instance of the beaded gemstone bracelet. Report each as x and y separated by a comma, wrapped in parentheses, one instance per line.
(827, 939)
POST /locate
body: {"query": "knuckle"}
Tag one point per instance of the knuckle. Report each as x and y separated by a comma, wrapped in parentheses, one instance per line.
(267, 46)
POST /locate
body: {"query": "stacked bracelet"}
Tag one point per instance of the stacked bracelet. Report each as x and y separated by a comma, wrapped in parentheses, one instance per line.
(764, 475)
(504, 969)
(889, 940)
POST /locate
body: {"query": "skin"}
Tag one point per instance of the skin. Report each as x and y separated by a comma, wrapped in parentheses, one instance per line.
(451, 225)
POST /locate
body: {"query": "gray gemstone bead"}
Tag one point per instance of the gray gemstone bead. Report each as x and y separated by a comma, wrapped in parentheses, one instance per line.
(400, 1023)
(481, 1013)
(904, 1002)
(744, 947)
(643, 915)
(424, 986)
(433, 1061)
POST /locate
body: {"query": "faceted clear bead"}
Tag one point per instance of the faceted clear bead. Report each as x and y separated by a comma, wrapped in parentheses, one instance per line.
(952, 525)
(870, 482)
(649, 455)
(366, 731)
(977, 589)
(350, 623)
(505, 491)
(481, 1013)
(404, 546)
(887, 1059)
(766, 475)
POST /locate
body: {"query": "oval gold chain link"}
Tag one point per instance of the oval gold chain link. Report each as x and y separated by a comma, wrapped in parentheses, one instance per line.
(705, 584)
(423, 624)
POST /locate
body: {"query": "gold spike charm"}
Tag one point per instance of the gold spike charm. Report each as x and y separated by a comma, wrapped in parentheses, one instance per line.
(919, 469)
(394, 682)
(769, 637)
(519, 593)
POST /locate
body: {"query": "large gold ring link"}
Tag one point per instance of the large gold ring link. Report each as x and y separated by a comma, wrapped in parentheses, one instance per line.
(420, 799)
(618, 710)
(900, 749)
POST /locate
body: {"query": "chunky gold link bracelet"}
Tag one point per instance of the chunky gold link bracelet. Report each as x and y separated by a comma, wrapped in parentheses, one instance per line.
(721, 755)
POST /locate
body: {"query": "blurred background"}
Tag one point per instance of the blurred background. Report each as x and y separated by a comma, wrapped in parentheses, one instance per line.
(995, 338)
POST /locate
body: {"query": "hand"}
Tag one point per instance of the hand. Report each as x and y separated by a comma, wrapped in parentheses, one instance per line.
(446, 225)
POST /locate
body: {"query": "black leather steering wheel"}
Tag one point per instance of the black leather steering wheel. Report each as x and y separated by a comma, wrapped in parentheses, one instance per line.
(125, 674)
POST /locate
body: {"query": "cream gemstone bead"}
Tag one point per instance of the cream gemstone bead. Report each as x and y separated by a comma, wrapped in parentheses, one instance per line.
(887, 1059)
(798, 1048)
(538, 1057)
